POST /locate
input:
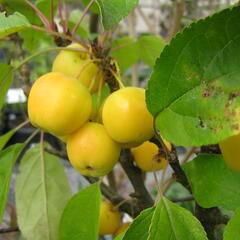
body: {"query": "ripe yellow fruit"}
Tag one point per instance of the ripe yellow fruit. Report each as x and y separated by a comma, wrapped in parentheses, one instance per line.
(146, 157)
(230, 149)
(125, 116)
(123, 228)
(91, 151)
(109, 220)
(72, 63)
(59, 104)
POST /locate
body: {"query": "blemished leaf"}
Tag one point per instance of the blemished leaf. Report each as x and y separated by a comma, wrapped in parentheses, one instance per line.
(171, 221)
(150, 48)
(139, 228)
(194, 88)
(6, 77)
(7, 159)
(113, 11)
(127, 54)
(213, 183)
(80, 219)
(13, 23)
(42, 191)
(232, 229)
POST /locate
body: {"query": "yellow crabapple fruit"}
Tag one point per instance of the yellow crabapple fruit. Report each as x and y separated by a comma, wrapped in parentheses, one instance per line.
(59, 104)
(109, 220)
(76, 64)
(146, 156)
(91, 151)
(125, 116)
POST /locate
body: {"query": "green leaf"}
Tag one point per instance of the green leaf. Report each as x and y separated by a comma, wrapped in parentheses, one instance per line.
(120, 236)
(80, 219)
(7, 159)
(94, 8)
(6, 77)
(140, 226)
(13, 6)
(232, 229)
(5, 138)
(213, 183)
(127, 54)
(113, 11)
(13, 23)
(194, 90)
(171, 221)
(42, 191)
(150, 48)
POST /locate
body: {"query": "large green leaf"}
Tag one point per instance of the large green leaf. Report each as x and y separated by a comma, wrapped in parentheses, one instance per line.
(42, 191)
(140, 226)
(232, 229)
(7, 160)
(213, 183)
(128, 52)
(171, 221)
(6, 77)
(113, 11)
(80, 219)
(150, 48)
(194, 90)
(13, 23)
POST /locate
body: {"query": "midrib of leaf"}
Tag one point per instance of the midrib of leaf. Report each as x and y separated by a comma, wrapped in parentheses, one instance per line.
(44, 185)
(170, 220)
(198, 85)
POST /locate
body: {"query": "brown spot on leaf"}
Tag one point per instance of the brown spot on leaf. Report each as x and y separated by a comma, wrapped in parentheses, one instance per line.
(207, 92)
(235, 127)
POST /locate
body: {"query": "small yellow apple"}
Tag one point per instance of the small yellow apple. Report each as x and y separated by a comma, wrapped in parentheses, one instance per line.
(72, 63)
(146, 156)
(109, 220)
(91, 151)
(59, 104)
(125, 116)
(122, 228)
(230, 149)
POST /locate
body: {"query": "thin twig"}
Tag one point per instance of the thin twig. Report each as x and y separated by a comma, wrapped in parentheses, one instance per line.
(188, 154)
(52, 15)
(64, 36)
(9, 230)
(40, 15)
(81, 18)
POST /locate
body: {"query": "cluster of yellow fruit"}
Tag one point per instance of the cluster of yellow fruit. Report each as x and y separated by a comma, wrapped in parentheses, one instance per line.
(60, 102)
(110, 220)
